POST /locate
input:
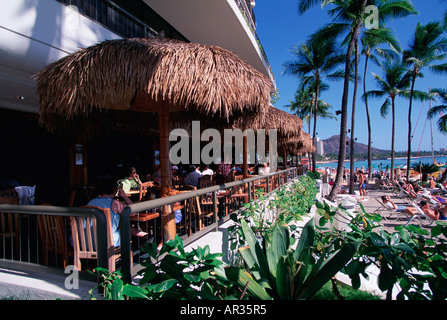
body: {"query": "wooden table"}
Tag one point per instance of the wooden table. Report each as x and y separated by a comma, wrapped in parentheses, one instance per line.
(143, 217)
(222, 199)
(244, 196)
(132, 192)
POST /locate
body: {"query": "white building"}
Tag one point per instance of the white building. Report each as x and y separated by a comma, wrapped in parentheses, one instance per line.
(320, 146)
(35, 33)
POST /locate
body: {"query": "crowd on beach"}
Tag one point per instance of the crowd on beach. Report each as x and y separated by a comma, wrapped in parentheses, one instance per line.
(429, 196)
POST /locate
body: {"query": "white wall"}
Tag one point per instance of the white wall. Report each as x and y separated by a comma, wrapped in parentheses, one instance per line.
(34, 33)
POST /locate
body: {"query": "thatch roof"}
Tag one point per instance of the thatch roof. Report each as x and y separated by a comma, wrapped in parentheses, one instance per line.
(137, 74)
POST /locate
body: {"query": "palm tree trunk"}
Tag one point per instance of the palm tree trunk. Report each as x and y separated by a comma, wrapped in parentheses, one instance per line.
(413, 80)
(444, 175)
(351, 152)
(368, 120)
(344, 112)
(314, 154)
(393, 130)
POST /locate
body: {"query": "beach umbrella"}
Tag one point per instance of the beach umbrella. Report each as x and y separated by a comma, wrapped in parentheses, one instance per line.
(155, 76)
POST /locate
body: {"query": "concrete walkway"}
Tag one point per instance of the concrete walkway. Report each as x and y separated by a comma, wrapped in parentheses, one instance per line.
(39, 283)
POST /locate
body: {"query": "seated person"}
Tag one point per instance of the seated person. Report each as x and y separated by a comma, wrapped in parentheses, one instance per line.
(434, 213)
(433, 200)
(409, 188)
(134, 178)
(107, 190)
(156, 176)
(207, 171)
(193, 176)
(390, 204)
(175, 176)
(265, 169)
(132, 182)
(431, 183)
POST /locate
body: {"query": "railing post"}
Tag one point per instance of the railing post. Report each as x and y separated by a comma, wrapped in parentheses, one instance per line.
(101, 234)
(216, 218)
(126, 267)
(249, 191)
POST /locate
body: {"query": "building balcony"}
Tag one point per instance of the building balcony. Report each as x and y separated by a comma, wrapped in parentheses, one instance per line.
(34, 34)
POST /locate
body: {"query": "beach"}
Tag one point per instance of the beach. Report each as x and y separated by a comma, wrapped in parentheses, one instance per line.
(381, 164)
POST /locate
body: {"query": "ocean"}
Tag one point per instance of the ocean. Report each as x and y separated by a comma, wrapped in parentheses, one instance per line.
(377, 164)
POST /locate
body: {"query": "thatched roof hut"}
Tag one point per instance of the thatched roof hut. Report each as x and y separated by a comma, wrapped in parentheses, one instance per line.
(138, 74)
(151, 76)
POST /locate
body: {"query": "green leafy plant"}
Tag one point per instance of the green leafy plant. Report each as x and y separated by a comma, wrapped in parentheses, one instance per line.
(277, 271)
(173, 273)
(288, 204)
(411, 257)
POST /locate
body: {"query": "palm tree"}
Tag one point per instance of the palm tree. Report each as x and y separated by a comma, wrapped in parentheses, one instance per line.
(315, 60)
(426, 47)
(440, 109)
(425, 169)
(303, 106)
(394, 84)
(371, 40)
(352, 13)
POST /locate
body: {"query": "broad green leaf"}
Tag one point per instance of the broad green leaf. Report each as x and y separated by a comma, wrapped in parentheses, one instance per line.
(162, 286)
(395, 239)
(377, 240)
(284, 279)
(117, 289)
(328, 269)
(256, 250)
(386, 278)
(278, 248)
(243, 279)
(133, 291)
(306, 239)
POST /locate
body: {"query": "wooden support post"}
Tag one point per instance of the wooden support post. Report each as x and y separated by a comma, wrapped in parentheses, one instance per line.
(168, 218)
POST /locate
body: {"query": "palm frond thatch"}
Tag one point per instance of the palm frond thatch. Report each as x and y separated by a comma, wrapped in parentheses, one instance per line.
(137, 74)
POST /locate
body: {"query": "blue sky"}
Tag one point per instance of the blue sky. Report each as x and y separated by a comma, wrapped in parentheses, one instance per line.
(280, 27)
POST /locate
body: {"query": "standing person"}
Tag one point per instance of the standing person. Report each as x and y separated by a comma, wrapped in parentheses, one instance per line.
(107, 190)
(362, 184)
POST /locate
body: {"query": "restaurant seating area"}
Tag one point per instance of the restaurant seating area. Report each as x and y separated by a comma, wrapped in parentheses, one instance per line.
(55, 238)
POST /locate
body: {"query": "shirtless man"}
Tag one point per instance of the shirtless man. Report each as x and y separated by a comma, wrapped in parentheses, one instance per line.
(362, 184)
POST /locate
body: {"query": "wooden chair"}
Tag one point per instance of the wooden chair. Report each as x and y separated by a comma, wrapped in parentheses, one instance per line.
(192, 209)
(9, 223)
(143, 188)
(206, 183)
(52, 230)
(244, 186)
(9, 193)
(85, 243)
